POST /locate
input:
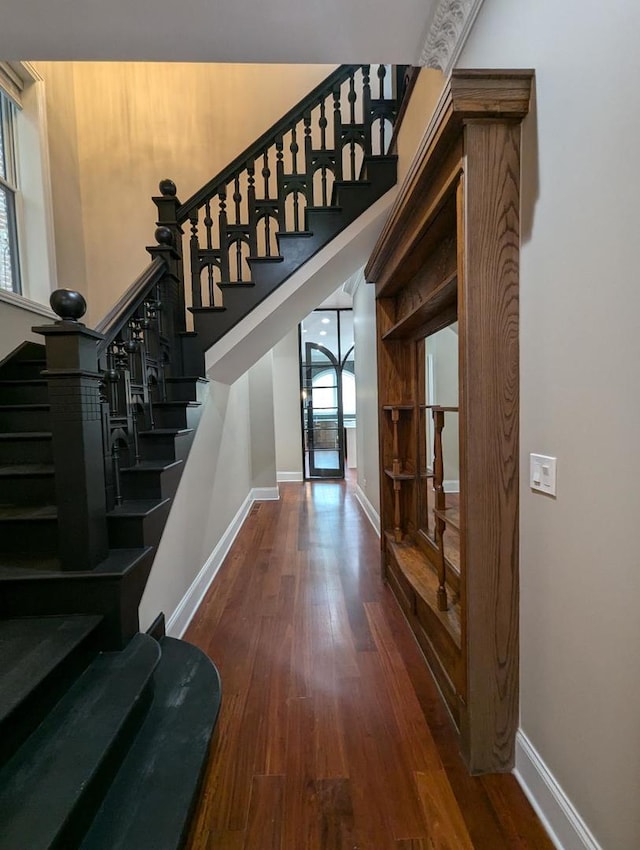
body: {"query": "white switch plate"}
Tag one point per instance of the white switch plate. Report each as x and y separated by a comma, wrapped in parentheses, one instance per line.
(542, 474)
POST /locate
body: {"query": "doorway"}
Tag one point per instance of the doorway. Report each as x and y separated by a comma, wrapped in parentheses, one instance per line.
(327, 390)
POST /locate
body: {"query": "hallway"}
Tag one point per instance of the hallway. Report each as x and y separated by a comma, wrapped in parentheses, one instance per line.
(332, 734)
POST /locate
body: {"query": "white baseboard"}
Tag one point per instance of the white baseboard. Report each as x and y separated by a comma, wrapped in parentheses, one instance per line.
(289, 476)
(372, 515)
(190, 602)
(564, 825)
(265, 494)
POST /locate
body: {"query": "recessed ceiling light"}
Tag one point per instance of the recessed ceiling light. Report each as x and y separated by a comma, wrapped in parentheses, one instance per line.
(304, 330)
(326, 321)
(323, 333)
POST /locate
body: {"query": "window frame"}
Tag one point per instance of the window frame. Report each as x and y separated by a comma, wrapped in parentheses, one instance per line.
(10, 185)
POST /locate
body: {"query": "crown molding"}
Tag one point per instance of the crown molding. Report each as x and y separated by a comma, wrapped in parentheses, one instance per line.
(450, 25)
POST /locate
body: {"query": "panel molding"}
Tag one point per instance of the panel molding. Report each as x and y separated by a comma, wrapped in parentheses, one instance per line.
(448, 31)
(559, 816)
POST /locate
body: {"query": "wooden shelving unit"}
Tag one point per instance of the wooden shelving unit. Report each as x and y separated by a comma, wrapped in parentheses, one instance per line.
(449, 252)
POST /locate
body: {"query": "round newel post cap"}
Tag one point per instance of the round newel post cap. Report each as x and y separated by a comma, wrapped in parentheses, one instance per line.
(68, 304)
(164, 236)
(167, 188)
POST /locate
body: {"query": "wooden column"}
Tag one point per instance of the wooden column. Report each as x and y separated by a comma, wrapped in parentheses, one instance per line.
(489, 368)
(76, 424)
(168, 204)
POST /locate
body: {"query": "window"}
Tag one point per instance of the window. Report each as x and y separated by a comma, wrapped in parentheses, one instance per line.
(9, 265)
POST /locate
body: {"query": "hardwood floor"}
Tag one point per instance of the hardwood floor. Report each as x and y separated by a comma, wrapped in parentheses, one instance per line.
(332, 734)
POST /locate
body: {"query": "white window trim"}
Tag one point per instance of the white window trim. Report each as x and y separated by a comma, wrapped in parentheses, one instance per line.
(34, 208)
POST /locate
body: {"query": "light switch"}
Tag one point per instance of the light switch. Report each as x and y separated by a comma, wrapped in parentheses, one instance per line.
(542, 476)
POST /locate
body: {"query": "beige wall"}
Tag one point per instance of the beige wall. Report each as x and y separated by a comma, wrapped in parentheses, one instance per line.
(136, 124)
(216, 481)
(16, 321)
(364, 332)
(419, 111)
(66, 196)
(580, 373)
(286, 405)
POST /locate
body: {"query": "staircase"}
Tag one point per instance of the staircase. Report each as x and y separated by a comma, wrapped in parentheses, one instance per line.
(104, 731)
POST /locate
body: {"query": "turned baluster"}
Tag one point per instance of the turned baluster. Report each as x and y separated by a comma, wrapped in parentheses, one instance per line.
(323, 146)
(337, 131)
(382, 73)
(237, 199)
(266, 173)
(440, 505)
(253, 210)
(208, 223)
(222, 234)
(352, 97)
(397, 530)
(366, 108)
(194, 246)
(396, 466)
(280, 183)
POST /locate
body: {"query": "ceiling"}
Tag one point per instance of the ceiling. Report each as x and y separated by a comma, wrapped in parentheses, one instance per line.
(296, 31)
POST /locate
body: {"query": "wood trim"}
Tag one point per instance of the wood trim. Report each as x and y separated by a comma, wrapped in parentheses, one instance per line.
(495, 95)
(450, 251)
(488, 324)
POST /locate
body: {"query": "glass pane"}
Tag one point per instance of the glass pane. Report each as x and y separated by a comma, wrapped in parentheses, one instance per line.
(3, 164)
(8, 254)
(346, 337)
(320, 327)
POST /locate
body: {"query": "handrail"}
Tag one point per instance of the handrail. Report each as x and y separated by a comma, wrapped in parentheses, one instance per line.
(254, 150)
(129, 302)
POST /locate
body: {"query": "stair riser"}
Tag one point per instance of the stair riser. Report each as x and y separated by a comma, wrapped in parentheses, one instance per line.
(131, 532)
(25, 451)
(32, 537)
(34, 708)
(166, 448)
(20, 490)
(22, 370)
(187, 391)
(24, 420)
(185, 417)
(116, 597)
(192, 356)
(151, 484)
(24, 393)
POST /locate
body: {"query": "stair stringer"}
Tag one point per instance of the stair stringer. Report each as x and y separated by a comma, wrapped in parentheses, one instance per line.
(245, 343)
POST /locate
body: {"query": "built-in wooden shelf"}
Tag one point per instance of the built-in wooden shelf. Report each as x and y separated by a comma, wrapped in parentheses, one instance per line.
(440, 305)
(399, 476)
(419, 573)
(449, 251)
(451, 516)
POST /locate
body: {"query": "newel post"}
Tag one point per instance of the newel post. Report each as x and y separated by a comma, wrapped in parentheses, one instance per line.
(167, 204)
(76, 424)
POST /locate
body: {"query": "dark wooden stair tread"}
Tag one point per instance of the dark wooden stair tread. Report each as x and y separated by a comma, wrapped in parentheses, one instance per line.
(28, 512)
(56, 771)
(152, 466)
(25, 435)
(32, 648)
(177, 404)
(165, 432)
(150, 800)
(187, 379)
(29, 566)
(236, 284)
(26, 470)
(137, 507)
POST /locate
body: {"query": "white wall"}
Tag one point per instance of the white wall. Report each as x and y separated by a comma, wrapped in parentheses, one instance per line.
(286, 407)
(580, 374)
(263, 445)
(215, 483)
(364, 332)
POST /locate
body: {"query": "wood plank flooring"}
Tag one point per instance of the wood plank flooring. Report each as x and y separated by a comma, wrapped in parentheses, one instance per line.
(332, 735)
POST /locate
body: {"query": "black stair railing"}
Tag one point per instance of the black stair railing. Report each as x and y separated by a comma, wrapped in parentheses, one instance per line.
(324, 140)
(117, 373)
